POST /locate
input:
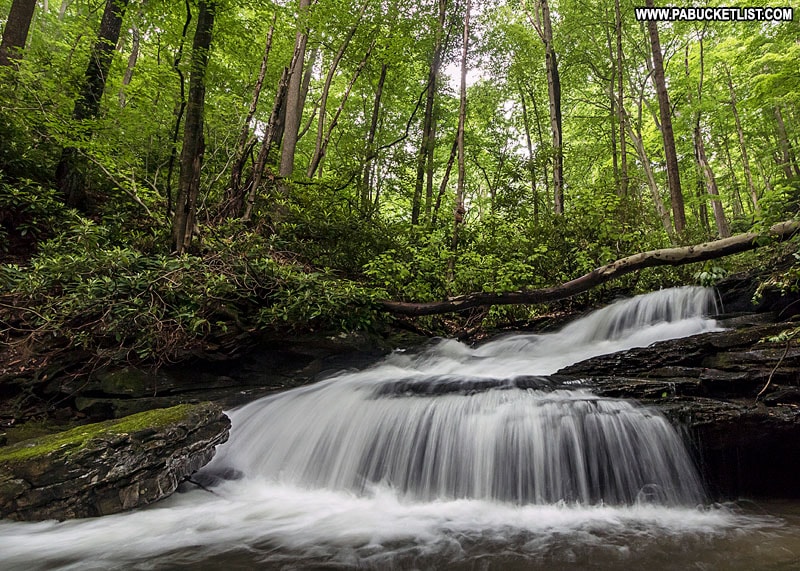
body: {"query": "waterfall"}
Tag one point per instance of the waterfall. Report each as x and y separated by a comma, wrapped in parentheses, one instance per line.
(455, 422)
(449, 457)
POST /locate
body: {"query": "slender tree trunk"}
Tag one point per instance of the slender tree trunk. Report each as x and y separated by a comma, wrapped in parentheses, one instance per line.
(542, 145)
(62, 10)
(737, 204)
(531, 159)
(180, 108)
(425, 156)
(789, 163)
(458, 214)
(15, 34)
(748, 175)
(623, 151)
(665, 112)
(663, 213)
(554, 94)
(70, 172)
(193, 142)
(366, 184)
(294, 99)
(613, 115)
(323, 105)
(445, 180)
(317, 160)
(704, 167)
(270, 139)
(126, 79)
(233, 198)
(638, 145)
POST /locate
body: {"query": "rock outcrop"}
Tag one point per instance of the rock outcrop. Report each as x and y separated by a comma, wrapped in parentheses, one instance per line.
(708, 386)
(108, 467)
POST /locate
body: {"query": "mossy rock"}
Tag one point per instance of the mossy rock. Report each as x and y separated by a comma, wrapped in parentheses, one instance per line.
(110, 466)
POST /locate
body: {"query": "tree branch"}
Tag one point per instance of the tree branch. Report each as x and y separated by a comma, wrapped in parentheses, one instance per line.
(601, 275)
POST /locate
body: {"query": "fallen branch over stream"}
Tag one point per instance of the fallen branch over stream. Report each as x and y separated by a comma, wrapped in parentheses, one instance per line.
(601, 275)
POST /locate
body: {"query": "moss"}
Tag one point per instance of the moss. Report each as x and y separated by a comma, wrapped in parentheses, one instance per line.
(77, 438)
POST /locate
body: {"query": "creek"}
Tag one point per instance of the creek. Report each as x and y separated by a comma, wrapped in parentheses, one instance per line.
(450, 457)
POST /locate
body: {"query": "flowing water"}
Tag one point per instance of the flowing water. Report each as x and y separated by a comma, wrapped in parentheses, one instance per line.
(449, 458)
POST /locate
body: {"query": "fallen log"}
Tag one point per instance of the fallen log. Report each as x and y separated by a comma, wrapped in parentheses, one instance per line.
(663, 257)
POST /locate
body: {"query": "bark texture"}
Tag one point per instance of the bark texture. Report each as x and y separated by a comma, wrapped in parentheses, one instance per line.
(70, 172)
(193, 142)
(665, 112)
(15, 34)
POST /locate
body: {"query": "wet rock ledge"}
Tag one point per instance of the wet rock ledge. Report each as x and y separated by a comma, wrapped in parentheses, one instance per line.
(108, 467)
(708, 386)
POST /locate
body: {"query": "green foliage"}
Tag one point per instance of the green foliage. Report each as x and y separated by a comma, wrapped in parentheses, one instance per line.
(120, 304)
(710, 275)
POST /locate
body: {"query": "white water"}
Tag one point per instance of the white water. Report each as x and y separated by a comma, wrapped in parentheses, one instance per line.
(437, 459)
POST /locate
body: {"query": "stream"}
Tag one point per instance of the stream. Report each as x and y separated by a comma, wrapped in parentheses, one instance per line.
(450, 457)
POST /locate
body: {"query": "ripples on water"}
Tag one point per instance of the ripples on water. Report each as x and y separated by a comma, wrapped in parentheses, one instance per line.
(454, 458)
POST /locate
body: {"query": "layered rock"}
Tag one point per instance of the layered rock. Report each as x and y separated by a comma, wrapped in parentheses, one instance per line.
(108, 467)
(708, 385)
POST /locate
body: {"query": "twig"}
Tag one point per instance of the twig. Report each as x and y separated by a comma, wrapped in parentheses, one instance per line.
(772, 374)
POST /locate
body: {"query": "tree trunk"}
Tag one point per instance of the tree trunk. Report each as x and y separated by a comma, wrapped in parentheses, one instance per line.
(193, 143)
(294, 98)
(531, 159)
(233, 194)
(554, 94)
(789, 162)
(126, 79)
(623, 147)
(601, 275)
(613, 114)
(317, 160)
(366, 184)
(458, 214)
(700, 150)
(748, 175)
(15, 34)
(738, 204)
(70, 172)
(425, 156)
(663, 213)
(665, 112)
(180, 108)
(444, 182)
(270, 139)
(323, 105)
(542, 145)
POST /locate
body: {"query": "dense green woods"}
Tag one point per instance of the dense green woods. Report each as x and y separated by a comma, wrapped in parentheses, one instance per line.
(172, 171)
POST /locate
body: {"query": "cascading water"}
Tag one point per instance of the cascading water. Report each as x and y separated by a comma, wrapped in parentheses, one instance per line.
(439, 459)
(454, 422)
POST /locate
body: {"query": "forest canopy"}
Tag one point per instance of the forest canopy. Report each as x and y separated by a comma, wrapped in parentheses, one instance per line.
(173, 170)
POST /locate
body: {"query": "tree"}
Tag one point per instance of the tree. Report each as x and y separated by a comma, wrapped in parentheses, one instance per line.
(16, 31)
(294, 97)
(193, 144)
(544, 27)
(70, 172)
(424, 177)
(459, 211)
(665, 112)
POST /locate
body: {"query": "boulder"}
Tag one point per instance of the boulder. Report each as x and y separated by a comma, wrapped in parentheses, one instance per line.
(108, 467)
